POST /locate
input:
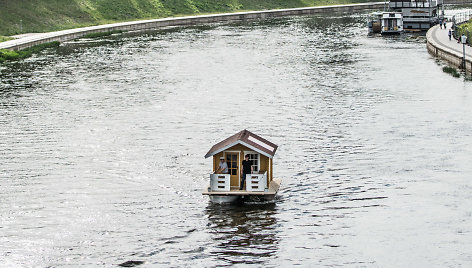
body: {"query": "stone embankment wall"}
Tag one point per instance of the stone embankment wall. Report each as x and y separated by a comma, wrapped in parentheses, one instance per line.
(67, 35)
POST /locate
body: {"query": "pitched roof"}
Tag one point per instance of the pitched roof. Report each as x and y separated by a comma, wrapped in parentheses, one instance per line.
(247, 139)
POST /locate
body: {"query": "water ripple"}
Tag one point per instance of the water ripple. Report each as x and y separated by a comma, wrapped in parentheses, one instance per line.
(102, 144)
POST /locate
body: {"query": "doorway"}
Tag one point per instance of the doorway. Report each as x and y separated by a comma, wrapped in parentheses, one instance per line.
(232, 159)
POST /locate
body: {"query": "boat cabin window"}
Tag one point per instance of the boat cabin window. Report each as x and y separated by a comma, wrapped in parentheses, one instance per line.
(255, 159)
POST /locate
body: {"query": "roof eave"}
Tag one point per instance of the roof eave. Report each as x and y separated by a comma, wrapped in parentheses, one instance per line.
(221, 149)
(242, 143)
(256, 149)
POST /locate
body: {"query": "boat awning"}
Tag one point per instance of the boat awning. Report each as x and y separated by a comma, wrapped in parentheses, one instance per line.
(247, 139)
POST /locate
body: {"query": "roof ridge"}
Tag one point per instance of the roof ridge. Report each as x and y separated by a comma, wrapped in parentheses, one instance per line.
(246, 138)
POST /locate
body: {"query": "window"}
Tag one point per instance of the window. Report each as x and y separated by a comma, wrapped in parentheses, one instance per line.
(255, 159)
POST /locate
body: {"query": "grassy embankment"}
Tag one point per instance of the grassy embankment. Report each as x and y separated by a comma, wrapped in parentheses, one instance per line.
(27, 16)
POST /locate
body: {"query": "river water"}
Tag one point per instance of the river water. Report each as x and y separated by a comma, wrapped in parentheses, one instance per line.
(102, 144)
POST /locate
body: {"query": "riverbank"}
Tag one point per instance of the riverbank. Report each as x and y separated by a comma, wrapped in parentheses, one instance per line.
(439, 45)
(18, 17)
(66, 35)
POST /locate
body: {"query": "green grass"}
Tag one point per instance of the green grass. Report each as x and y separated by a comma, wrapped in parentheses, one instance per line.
(6, 54)
(27, 16)
(9, 55)
(5, 38)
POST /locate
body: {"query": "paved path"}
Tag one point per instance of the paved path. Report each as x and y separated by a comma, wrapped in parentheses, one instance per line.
(18, 36)
(441, 38)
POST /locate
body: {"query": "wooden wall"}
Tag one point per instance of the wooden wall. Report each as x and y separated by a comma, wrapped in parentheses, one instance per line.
(265, 162)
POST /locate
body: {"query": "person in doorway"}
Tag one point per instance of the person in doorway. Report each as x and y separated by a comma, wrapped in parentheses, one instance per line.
(449, 34)
(245, 169)
(223, 167)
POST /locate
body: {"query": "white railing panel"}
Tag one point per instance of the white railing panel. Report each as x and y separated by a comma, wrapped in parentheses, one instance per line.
(256, 182)
(220, 182)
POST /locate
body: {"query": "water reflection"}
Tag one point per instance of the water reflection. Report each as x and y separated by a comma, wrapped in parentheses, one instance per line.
(244, 234)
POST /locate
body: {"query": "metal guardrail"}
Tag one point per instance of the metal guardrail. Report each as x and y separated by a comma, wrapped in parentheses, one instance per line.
(461, 18)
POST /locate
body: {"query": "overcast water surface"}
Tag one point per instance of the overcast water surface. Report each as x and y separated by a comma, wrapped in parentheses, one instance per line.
(102, 144)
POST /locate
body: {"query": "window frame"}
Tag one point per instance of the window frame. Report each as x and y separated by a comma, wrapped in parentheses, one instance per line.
(258, 159)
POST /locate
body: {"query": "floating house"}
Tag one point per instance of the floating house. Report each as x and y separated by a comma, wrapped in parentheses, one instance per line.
(392, 23)
(260, 185)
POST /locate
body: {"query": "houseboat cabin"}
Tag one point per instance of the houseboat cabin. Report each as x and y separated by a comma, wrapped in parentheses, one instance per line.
(226, 185)
(392, 23)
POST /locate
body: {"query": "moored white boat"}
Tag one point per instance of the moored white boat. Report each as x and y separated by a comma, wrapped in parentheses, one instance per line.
(392, 23)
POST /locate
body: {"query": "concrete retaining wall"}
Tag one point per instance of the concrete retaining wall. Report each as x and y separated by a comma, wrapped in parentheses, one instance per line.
(67, 35)
(452, 57)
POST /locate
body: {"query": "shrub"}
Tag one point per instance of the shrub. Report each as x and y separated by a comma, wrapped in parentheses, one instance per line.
(451, 70)
(9, 55)
(448, 69)
(6, 54)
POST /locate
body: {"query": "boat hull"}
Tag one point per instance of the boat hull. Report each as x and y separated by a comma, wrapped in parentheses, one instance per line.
(224, 199)
(391, 33)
